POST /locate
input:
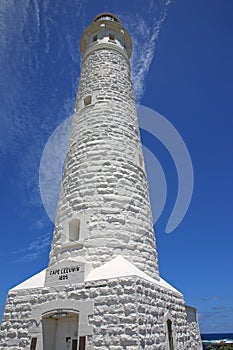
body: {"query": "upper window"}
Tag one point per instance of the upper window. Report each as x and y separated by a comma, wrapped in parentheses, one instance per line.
(140, 160)
(111, 36)
(74, 230)
(87, 100)
(95, 38)
(106, 17)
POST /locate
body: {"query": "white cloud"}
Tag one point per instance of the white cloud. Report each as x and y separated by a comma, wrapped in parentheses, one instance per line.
(144, 29)
(34, 249)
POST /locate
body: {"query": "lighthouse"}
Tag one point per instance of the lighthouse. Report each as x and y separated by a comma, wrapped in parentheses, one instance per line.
(102, 288)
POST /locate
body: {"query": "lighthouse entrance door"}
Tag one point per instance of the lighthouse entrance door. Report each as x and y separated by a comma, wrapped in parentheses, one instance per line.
(60, 331)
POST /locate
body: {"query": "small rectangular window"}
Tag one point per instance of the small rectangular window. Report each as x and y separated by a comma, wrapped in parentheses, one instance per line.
(74, 228)
(95, 37)
(111, 36)
(140, 160)
(87, 100)
(33, 344)
(82, 343)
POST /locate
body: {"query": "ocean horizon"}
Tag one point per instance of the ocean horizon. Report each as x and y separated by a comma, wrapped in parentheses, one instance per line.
(215, 338)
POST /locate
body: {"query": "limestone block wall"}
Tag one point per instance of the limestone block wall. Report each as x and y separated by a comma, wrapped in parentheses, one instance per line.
(129, 313)
(155, 306)
(104, 183)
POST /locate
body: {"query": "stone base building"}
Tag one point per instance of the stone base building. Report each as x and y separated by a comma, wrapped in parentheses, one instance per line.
(116, 307)
(102, 288)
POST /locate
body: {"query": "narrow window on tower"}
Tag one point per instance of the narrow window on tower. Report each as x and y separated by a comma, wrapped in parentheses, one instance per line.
(140, 160)
(111, 37)
(33, 344)
(95, 38)
(170, 336)
(74, 229)
(87, 100)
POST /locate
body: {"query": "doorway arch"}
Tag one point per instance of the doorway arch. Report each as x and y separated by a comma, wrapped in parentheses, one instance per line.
(60, 329)
(170, 331)
(170, 335)
(55, 309)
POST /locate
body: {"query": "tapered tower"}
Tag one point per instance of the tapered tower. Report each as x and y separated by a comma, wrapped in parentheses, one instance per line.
(102, 288)
(104, 208)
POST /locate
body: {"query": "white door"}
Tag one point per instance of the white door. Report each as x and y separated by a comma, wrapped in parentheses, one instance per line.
(66, 336)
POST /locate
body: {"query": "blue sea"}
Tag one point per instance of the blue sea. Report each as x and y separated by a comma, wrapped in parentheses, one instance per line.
(215, 338)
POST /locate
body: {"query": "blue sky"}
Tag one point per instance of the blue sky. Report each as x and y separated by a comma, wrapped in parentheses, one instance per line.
(182, 68)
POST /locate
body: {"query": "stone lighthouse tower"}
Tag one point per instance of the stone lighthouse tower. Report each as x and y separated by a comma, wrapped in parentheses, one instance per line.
(102, 288)
(104, 209)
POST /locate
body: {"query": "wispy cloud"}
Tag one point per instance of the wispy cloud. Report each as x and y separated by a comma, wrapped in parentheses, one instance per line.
(33, 42)
(34, 250)
(210, 298)
(217, 319)
(144, 28)
(218, 308)
(207, 315)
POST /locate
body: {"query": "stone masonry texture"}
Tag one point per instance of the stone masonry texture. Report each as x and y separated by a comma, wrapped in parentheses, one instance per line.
(104, 182)
(128, 314)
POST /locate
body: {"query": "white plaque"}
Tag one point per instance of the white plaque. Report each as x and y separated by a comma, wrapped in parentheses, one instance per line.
(67, 272)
